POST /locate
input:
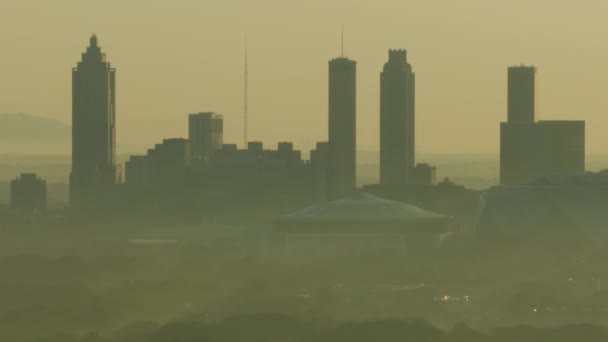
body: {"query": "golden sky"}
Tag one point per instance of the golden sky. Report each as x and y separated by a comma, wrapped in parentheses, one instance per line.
(181, 56)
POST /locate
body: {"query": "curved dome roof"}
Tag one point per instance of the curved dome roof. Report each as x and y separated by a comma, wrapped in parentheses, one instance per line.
(363, 208)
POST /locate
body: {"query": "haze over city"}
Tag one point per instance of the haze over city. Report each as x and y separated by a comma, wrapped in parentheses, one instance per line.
(183, 56)
(318, 171)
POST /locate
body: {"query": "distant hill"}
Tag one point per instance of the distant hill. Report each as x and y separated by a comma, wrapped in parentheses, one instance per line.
(30, 128)
(24, 134)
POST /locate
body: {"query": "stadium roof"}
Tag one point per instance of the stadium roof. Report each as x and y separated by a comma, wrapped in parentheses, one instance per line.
(365, 213)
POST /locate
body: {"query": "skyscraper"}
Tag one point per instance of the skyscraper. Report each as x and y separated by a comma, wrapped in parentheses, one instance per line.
(206, 134)
(521, 94)
(342, 126)
(93, 125)
(531, 149)
(397, 119)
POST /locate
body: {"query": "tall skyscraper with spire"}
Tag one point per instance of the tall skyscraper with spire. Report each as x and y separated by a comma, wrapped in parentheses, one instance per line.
(397, 120)
(93, 125)
(342, 126)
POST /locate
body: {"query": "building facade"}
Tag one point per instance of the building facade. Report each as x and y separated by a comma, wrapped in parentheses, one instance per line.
(28, 193)
(521, 94)
(423, 174)
(93, 125)
(397, 120)
(531, 149)
(165, 167)
(206, 134)
(342, 127)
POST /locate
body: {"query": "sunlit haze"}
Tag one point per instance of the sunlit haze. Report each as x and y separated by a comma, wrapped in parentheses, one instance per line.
(184, 56)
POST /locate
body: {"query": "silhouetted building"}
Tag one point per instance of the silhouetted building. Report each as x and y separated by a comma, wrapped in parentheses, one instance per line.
(259, 173)
(522, 94)
(286, 152)
(165, 167)
(423, 174)
(255, 154)
(571, 207)
(529, 149)
(93, 125)
(319, 161)
(206, 134)
(229, 148)
(397, 119)
(360, 224)
(28, 193)
(342, 126)
(169, 162)
(136, 171)
(319, 157)
(255, 147)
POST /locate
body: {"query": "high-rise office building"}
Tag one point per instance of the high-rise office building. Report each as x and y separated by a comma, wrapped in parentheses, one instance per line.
(397, 120)
(206, 134)
(522, 94)
(93, 125)
(342, 126)
(531, 149)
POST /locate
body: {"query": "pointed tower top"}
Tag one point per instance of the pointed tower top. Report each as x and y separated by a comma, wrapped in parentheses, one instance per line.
(93, 40)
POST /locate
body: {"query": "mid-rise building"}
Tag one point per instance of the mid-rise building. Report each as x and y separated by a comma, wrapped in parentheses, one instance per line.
(164, 167)
(423, 174)
(319, 157)
(28, 193)
(169, 162)
(255, 154)
(206, 134)
(136, 171)
(529, 151)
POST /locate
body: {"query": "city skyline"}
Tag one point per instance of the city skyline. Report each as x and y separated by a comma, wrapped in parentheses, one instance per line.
(218, 58)
(312, 171)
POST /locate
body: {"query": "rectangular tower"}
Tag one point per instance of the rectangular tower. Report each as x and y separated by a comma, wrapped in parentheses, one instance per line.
(530, 149)
(206, 134)
(521, 94)
(93, 125)
(397, 120)
(342, 126)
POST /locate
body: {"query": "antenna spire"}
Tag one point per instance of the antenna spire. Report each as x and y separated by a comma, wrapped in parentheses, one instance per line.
(246, 95)
(342, 40)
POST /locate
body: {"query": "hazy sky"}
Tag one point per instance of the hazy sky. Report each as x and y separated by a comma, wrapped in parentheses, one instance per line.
(181, 56)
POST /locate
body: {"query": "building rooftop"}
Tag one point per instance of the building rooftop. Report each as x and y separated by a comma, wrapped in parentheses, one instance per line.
(364, 209)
